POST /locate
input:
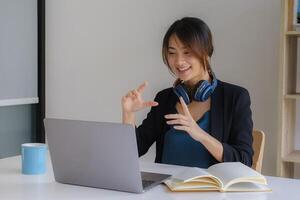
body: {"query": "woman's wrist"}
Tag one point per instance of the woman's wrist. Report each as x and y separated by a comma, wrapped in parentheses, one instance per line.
(128, 118)
(201, 135)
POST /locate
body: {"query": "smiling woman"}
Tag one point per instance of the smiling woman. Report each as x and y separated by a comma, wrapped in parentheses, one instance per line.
(200, 121)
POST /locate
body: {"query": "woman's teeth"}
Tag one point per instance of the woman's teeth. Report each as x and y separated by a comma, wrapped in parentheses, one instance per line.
(183, 69)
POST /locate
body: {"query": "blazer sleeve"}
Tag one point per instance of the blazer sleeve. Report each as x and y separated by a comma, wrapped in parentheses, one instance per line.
(239, 146)
(150, 129)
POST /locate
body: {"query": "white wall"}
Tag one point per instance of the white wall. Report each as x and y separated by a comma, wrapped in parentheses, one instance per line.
(98, 50)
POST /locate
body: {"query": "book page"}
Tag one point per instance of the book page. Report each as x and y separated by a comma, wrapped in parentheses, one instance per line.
(191, 186)
(247, 187)
(194, 178)
(209, 180)
(232, 172)
(191, 173)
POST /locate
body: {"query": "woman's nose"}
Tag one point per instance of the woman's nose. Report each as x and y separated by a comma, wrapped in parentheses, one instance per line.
(180, 60)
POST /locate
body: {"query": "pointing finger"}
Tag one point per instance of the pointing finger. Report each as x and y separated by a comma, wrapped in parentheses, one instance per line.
(184, 107)
(142, 87)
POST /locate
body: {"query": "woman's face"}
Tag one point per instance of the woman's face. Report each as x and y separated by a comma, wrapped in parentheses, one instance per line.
(184, 63)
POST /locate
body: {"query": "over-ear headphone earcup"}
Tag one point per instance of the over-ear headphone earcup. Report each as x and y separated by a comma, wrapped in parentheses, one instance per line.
(206, 94)
(181, 91)
(201, 87)
(204, 89)
(203, 92)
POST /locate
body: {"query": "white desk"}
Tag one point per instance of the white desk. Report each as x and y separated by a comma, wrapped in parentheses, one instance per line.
(14, 185)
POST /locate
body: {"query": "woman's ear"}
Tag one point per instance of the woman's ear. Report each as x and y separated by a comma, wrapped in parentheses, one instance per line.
(208, 59)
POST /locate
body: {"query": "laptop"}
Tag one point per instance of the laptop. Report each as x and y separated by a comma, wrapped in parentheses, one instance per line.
(97, 154)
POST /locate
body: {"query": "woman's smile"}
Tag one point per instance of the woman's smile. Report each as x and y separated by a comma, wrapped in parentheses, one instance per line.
(184, 71)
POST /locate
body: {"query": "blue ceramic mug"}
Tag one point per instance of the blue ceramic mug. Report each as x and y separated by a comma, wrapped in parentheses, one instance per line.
(34, 158)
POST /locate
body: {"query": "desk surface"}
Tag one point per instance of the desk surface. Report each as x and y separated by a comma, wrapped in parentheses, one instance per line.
(14, 185)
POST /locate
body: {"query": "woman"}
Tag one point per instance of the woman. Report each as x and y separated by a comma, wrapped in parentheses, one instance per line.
(201, 120)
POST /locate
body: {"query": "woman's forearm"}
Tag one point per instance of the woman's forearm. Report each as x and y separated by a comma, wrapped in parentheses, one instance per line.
(212, 145)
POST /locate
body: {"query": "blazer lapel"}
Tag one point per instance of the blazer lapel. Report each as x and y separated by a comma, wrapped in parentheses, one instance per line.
(217, 112)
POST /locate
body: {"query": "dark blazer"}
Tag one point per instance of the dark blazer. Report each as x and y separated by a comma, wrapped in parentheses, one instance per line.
(231, 123)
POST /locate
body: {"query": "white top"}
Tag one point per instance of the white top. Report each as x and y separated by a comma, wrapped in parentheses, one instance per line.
(14, 185)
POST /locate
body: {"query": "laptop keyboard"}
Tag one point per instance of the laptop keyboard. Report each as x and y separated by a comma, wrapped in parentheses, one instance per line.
(147, 183)
(151, 179)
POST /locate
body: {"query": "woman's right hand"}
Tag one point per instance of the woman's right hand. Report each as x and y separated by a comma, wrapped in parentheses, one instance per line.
(133, 101)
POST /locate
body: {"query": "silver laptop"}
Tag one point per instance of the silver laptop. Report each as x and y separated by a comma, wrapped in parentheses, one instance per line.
(97, 154)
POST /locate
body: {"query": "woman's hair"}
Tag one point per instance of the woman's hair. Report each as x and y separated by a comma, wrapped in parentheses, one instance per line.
(194, 34)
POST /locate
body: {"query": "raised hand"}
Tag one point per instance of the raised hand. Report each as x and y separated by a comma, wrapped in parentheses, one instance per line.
(133, 100)
(185, 122)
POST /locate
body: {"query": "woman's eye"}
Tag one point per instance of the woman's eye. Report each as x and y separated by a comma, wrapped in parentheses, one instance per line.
(186, 53)
(171, 53)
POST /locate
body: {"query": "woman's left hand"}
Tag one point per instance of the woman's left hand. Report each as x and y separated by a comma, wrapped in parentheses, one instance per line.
(185, 122)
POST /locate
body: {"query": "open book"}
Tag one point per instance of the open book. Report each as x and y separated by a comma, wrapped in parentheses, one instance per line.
(223, 177)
